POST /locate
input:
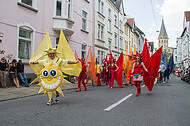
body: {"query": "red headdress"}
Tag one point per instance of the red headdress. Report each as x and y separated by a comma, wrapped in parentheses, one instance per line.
(139, 55)
(82, 61)
(111, 58)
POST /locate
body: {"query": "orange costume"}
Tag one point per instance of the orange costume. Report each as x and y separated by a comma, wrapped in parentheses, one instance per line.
(129, 69)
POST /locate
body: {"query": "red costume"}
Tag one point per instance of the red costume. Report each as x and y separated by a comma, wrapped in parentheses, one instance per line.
(82, 76)
(112, 71)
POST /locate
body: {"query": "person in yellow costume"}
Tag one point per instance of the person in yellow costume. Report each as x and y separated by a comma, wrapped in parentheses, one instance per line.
(49, 63)
(98, 68)
(129, 69)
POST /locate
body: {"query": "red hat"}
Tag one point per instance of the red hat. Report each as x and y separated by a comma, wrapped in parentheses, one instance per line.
(82, 61)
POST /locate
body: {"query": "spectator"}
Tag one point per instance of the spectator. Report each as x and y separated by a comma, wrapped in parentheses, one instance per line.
(3, 66)
(12, 72)
(21, 74)
(167, 73)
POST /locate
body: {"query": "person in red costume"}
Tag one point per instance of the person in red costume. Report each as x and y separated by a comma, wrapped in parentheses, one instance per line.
(82, 76)
(113, 68)
(137, 70)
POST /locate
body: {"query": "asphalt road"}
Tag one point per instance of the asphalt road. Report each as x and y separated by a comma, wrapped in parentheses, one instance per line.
(166, 105)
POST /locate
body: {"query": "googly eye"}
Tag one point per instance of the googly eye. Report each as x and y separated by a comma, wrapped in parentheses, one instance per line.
(53, 73)
(45, 73)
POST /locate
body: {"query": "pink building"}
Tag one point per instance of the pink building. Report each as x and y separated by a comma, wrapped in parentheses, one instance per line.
(23, 24)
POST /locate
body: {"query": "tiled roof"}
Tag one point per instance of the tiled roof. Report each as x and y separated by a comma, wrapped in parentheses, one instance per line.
(131, 21)
(187, 15)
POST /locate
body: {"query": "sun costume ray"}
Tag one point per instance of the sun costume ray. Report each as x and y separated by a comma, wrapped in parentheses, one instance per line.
(49, 70)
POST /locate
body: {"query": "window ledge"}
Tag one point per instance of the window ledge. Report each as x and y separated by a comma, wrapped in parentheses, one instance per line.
(101, 14)
(84, 31)
(116, 26)
(67, 19)
(87, 1)
(110, 32)
(27, 6)
(101, 40)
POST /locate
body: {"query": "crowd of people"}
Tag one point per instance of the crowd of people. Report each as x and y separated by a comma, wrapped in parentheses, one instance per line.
(14, 69)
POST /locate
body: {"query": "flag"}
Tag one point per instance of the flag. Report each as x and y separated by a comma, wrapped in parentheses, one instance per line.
(152, 64)
(119, 73)
(76, 56)
(171, 63)
(165, 59)
(145, 52)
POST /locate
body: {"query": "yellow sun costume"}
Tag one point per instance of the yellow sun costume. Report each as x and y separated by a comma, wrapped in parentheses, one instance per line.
(49, 71)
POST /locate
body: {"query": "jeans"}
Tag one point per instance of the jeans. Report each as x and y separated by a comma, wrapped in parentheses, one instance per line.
(23, 77)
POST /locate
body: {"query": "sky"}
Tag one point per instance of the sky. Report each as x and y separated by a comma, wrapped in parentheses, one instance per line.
(148, 18)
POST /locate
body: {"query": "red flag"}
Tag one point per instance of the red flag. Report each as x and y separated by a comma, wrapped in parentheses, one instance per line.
(119, 73)
(145, 52)
(152, 64)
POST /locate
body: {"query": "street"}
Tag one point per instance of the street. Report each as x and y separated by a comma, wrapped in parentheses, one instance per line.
(166, 105)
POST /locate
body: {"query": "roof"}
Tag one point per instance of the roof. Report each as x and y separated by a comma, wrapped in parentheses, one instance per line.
(131, 21)
(117, 3)
(139, 31)
(187, 15)
(163, 29)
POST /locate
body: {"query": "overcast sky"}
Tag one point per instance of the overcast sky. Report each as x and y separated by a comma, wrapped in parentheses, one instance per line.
(172, 12)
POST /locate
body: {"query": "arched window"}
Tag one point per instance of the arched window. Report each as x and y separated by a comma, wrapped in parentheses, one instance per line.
(25, 42)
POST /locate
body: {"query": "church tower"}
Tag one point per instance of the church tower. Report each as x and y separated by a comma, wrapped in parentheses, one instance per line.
(163, 37)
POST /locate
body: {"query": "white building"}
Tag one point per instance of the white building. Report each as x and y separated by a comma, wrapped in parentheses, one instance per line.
(109, 28)
(185, 40)
(178, 53)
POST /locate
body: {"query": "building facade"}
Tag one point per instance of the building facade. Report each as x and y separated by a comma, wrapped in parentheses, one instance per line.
(24, 26)
(109, 28)
(185, 40)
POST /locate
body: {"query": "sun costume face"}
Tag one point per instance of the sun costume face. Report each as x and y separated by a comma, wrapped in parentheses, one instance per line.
(49, 74)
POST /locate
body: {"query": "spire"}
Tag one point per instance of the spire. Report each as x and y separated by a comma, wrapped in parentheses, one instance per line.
(163, 30)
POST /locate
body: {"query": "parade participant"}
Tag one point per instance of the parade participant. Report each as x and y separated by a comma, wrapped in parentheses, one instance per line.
(137, 70)
(3, 67)
(129, 69)
(103, 72)
(82, 76)
(162, 69)
(113, 68)
(167, 73)
(12, 72)
(50, 64)
(98, 69)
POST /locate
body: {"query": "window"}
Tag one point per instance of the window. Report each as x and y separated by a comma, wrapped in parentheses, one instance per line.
(109, 25)
(99, 2)
(115, 40)
(28, 2)
(58, 8)
(100, 32)
(69, 9)
(100, 56)
(109, 13)
(102, 8)
(109, 46)
(83, 51)
(115, 20)
(84, 19)
(24, 45)
(57, 41)
(121, 25)
(121, 43)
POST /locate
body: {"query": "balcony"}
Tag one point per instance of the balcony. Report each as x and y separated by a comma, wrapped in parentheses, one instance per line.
(63, 23)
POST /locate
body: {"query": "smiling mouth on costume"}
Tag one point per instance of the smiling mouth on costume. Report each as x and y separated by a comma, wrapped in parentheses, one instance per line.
(52, 86)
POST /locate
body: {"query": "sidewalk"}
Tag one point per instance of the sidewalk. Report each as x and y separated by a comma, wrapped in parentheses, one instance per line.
(14, 93)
